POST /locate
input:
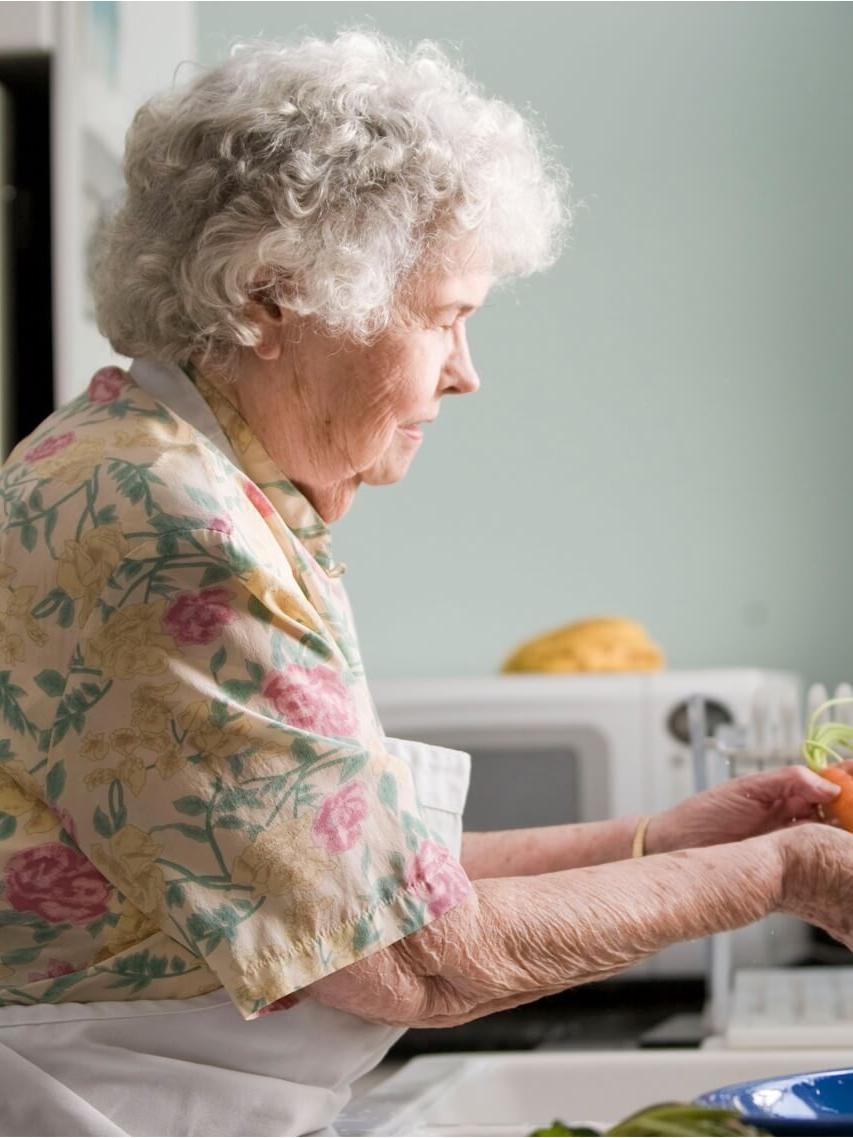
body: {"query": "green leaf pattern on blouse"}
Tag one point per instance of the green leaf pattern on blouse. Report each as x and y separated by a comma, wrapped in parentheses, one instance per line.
(193, 787)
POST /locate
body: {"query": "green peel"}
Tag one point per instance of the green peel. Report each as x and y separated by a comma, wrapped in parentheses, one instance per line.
(822, 739)
(665, 1120)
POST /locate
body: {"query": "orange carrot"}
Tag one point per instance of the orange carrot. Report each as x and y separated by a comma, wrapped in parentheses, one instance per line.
(841, 808)
(826, 744)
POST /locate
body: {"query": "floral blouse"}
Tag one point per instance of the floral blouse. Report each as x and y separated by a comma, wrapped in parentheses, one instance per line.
(193, 787)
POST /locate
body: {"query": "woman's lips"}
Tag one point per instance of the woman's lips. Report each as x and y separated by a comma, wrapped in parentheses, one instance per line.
(415, 433)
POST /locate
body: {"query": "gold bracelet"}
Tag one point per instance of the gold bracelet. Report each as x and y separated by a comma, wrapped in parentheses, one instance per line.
(638, 847)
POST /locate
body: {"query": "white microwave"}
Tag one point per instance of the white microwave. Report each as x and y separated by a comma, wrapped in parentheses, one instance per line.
(551, 749)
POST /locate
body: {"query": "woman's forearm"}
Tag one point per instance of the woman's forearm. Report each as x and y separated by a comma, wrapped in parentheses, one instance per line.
(546, 849)
(518, 939)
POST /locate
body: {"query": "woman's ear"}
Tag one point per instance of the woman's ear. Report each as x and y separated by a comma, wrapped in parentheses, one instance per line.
(268, 318)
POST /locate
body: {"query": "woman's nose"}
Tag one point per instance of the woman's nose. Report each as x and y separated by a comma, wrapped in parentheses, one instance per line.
(460, 376)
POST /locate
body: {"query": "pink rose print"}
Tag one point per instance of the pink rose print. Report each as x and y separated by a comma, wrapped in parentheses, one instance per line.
(279, 1005)
(437, 878)
(106, 384)
(313, 699)
(258, 499)
(49, 446)
(58, 883)
(54, 968)
(337, 824)
(196, 618)
(220, 524)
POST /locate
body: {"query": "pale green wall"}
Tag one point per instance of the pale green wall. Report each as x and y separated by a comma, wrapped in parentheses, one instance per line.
(665, 426)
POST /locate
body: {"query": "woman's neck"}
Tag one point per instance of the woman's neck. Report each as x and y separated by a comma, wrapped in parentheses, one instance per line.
(276, 422)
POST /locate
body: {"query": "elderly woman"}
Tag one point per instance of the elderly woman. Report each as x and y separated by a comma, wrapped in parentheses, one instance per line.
(202, 821)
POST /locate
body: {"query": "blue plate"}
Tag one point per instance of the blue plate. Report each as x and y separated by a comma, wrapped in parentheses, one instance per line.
(819, 1102)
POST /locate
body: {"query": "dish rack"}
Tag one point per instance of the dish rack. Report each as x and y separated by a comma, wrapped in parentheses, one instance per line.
(773, 737)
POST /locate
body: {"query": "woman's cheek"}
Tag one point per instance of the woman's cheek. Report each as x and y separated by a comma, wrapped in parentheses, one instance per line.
(370, 443)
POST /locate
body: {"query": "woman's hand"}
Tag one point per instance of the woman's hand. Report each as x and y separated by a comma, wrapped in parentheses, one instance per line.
(817, 879)
(741, 808)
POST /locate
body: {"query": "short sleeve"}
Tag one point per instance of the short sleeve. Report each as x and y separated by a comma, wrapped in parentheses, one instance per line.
(212, 750)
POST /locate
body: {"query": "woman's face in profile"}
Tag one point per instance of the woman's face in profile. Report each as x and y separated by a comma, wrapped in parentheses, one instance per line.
(358, 413)
(394, 389)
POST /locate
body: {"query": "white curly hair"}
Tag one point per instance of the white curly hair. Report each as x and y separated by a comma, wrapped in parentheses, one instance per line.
(323, 177)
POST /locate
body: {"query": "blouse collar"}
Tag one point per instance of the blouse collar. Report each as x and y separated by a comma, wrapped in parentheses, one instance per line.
(198, 402)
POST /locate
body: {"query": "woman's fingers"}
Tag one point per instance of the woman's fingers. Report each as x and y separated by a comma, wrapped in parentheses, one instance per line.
(812, 786)
(788, 782)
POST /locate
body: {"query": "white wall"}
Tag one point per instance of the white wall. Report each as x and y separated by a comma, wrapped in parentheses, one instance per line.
(92, 106)
(665, 419)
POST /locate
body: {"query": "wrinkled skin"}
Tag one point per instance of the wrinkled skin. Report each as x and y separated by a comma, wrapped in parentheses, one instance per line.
(742, 808)
(333, 413)
(519, 939)
(522, 937)
(818, 883)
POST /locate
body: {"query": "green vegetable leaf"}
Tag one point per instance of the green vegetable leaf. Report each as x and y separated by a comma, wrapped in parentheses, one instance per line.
(559, 1129)
(823, 739)
(680, 1119)
(665, 1120)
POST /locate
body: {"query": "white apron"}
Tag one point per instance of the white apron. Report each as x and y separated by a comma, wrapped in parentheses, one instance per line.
(196, 1067)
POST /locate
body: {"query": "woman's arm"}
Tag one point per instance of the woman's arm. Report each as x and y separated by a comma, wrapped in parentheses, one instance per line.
(546, 849)
(737, 809)
(518, 939)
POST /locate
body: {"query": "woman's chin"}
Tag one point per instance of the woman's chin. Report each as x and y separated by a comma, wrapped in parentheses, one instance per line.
(392, 467)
